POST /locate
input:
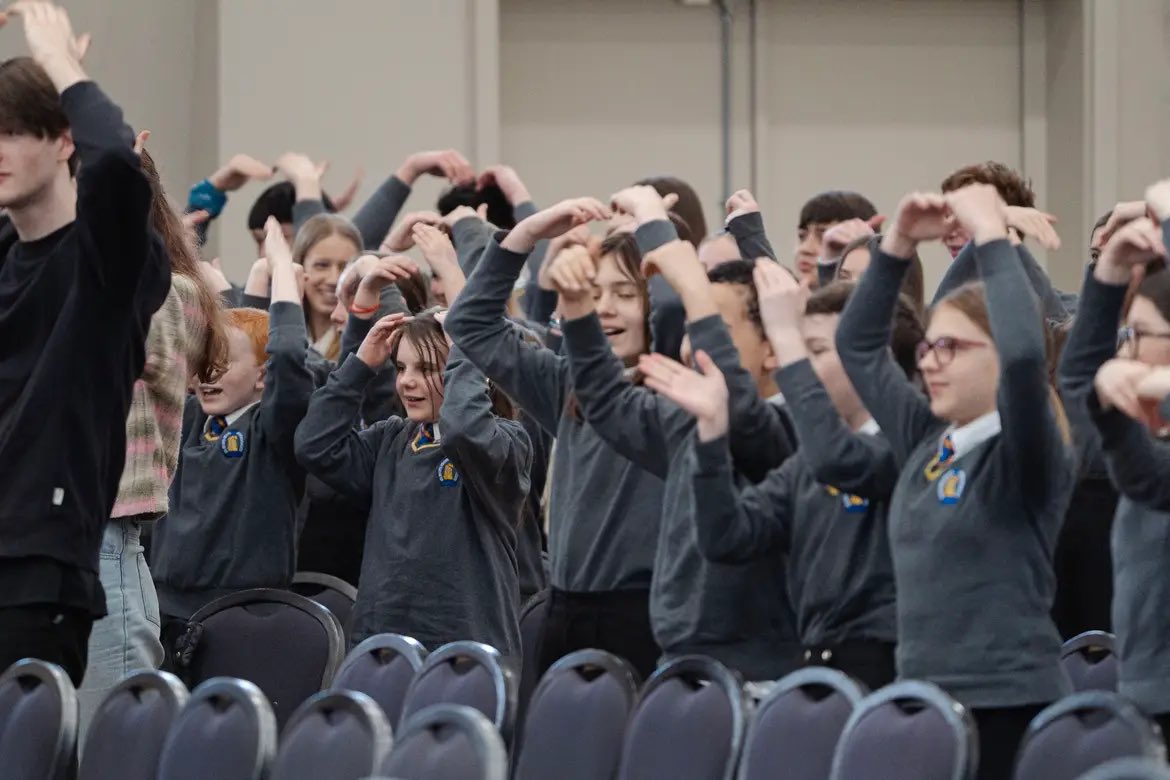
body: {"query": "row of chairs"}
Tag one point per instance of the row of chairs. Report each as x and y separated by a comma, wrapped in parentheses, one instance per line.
(587, 720)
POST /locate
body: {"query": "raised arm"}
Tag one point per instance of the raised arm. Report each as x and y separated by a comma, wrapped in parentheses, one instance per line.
(210, 195)
(863, 333)
(288, 384)
(493, 455)
(1035, 446)
(534, 377)
(965, 268)
(745, 223)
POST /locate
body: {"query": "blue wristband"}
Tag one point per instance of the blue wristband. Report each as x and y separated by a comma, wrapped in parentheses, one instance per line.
(204, 196)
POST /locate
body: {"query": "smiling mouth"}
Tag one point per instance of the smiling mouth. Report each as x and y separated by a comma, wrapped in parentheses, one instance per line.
(210, 392)
(613, 332)
(413, 399)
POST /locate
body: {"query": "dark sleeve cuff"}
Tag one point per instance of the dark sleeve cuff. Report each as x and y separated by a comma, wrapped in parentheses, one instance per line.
(796, 379)
(249, 301)
(748, 224)
(355, 373)
(584, 333)
(712, 457)
(652, 235)
(523, 210)
(499, 254)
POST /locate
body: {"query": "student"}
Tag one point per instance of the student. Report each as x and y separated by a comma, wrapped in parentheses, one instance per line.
(604, 511)
(324, 247)
(1013, 188)
(718, 248)
(232, 522)
(817, 215)
(985, 473)
(1120, 390)
(821, 516)
(80, 278)
(855, 258)
(737, 614)
(186, 339)
(445, 486)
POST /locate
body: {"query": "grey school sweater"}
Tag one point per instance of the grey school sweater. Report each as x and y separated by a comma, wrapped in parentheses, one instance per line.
(232, 522)
(604, 510)
(737, 613)
(965, 268)
(973, 549)
(821, 517)
(440, 554)
(1138, 465)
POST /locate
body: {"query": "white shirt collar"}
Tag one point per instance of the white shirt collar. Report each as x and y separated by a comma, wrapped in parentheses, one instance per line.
(870, 427)
(974, 433)
(776, 400)
(229, 419)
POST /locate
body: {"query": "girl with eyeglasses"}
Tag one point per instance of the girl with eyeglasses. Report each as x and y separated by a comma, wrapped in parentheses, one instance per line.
(1118, 386)
(985, 476)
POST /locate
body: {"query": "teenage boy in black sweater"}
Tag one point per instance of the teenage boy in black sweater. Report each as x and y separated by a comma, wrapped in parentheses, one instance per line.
(80, 277)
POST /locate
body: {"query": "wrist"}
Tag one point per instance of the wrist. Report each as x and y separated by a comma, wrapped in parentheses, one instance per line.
(307, 187)
(63, 70)
(711, 428)
(1107, 271)
(648, 212)
(576, 307)
(406, 174)
(992, 231)
(897, 245)
(517, 195)
(365, 302)
(787, 344)
(518, 240)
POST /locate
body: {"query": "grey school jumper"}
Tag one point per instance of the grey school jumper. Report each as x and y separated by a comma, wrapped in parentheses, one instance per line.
(604, 509)
(964, 268)
(821, 516)
(738, 614)
(1139, 466)
(974, 570)
(440, 553)
(233, 517)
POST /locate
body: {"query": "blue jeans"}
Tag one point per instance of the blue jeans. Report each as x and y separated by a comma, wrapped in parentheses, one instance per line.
(126, 640)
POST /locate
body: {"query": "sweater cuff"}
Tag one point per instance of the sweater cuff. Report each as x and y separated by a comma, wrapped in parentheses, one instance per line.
(355, 373)
(751, 223)
(712, 458)
(584, 333)
(652, 235)
(505, 256)
(796, 379)
(465, 230)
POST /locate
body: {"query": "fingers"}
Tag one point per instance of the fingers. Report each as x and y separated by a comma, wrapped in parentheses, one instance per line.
(194, 218)
(275, 245)
(573, 271)
(140, 142)
(384, 327)
(875, 222)
(706, 365)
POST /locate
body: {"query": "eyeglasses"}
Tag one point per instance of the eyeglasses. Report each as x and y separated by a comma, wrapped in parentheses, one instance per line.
(944, 348)
(1128, 335)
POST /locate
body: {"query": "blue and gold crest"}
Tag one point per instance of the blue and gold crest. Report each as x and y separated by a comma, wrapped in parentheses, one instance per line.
(232, 443)
(950, 486)
(447, 474)
(849, 502)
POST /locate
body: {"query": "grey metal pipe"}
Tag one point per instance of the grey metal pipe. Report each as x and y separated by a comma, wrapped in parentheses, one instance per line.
(725, 18)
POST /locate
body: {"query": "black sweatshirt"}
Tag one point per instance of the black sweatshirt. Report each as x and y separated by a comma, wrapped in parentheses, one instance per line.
(75, 309)
(1138, 464)
(972, 547)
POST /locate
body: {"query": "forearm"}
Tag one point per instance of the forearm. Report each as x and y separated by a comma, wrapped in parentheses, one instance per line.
(750, 236)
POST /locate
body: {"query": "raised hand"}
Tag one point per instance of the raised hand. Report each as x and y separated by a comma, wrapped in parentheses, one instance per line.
(1158, 199)
(703, 395)
(401, 236)
(572, 274)
(554, 221)
(920, 217)
(844, 233)
(439, 252)
(741, 202)
(980, 210)
(140, 142)
(448, 163)
(276, 249)
(377, 274)
(453, 217)
(343, 199)
(51, 41)
(643, 203)
(298, 167)
(1117, 383)
(1122, 214)
(379, 342)
(509, 182)
(1034, 223)
(781, 299)
(238, 171)
(578, 236)
(1135, 244)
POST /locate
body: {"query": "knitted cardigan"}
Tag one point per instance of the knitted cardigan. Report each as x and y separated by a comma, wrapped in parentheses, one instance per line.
(155, 422)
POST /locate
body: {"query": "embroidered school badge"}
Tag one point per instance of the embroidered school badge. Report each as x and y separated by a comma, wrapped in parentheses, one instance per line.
(424, 438)
(950, 486)
(849, 502)
(231, 443)
(447, 474)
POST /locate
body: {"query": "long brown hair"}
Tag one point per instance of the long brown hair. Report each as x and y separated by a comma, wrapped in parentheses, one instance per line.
(213, 354)
(428, 337)
(689, 208)
(314, 231)
(970, 300)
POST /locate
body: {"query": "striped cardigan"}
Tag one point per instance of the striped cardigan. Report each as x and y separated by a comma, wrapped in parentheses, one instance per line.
(155, 422)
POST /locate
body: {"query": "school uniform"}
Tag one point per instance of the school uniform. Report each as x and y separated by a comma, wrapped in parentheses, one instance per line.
(964, 268)
(604, 510)
(976, 511)
(750, 238)
(1140, 544)
(738, 612)
(232, 523)
(75, 310)
(822, 518)
(445, 501)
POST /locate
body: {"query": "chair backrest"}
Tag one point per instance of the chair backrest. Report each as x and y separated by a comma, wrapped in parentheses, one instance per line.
(226, 731)
(468, 673)
(577, 716)
(908, 729)
(447, 742)
(340, 735)
(796, 727)
(38, 720)
(287, 644)
(532, 619)
(1129, 769)
(333, 593)
(382, 667)
(690, 721)
(1082, 731)
(1089, 661)
(127, 732)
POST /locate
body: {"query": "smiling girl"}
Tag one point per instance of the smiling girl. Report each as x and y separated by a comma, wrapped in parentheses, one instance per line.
(986, 472)
(323, 247)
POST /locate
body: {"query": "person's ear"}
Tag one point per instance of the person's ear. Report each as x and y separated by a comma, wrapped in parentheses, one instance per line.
(259, 386)
(65, 146)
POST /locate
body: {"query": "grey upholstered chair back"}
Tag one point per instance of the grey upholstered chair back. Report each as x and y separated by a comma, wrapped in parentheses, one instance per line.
(126, 736)
(339, 735)
(38, 721)
(447, 742)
